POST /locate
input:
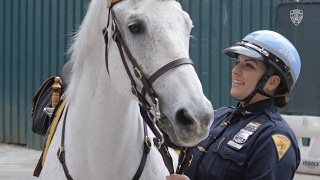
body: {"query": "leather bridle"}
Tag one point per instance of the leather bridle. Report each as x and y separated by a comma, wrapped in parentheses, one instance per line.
(160, 143)
(146, 82)
(186, 153)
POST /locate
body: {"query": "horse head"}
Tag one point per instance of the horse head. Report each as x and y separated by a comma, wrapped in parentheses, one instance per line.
(156, 33)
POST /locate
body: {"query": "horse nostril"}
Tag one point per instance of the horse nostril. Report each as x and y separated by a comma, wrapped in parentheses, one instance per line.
(184, 118)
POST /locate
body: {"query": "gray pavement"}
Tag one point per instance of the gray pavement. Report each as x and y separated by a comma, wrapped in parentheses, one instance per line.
(18, 163)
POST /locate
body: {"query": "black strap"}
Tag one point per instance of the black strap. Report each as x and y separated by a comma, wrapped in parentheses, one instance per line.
(106, 40)
(61, 150)
(164, 151)
(146, 150)
(38, 168)
(259, 88)
(162, 148)
(185, 158)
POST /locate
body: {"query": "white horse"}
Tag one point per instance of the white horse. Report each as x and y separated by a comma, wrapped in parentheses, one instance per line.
(104, 129)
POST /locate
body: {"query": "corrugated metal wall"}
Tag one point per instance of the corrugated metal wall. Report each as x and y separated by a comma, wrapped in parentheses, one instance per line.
(34, 35)
(306, 37)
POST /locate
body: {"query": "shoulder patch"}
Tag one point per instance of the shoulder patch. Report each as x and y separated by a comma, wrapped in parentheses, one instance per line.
(282, 144)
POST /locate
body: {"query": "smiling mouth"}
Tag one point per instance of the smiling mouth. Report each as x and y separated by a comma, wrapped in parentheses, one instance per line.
(237, 82)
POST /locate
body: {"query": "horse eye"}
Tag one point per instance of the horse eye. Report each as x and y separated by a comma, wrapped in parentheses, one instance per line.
(135, 28)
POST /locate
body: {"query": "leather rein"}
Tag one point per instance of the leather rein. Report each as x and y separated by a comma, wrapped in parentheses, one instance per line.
(160, 143)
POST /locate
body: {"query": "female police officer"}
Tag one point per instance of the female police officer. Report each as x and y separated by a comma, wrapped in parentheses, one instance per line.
(252, 141)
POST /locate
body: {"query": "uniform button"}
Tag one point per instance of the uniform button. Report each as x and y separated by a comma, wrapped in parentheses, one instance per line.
(227, 153)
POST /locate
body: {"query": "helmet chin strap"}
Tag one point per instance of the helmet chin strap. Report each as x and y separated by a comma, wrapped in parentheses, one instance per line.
(259, 88)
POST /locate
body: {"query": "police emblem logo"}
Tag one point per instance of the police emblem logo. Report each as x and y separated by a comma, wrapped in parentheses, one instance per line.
(282, 144)
(296, 16)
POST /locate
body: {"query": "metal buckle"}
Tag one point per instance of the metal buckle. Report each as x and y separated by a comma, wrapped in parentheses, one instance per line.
(157, 117)
(137, 72)
(225, 123)
(106, 31)
(60, 151)
(200, 148)
(264, 52)
(134, 91)
(114, 35)
(147, 141)
(160, 142)
(157, 113)
(191, 159)
(48, 111)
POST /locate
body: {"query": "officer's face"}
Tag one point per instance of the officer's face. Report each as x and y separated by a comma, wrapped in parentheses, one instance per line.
(245, 76)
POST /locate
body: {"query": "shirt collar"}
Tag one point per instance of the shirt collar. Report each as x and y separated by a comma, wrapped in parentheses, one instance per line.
(257, 107)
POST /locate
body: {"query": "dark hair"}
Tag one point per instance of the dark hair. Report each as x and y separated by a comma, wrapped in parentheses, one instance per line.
(281, 101)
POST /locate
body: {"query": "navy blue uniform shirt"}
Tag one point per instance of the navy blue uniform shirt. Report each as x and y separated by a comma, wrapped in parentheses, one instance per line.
(252, 142)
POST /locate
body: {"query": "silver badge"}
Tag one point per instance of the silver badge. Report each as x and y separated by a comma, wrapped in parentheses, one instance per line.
(234, 145)
(242, 136)
(296, 16)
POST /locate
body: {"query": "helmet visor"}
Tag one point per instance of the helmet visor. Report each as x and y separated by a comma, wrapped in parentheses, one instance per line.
(234, 50)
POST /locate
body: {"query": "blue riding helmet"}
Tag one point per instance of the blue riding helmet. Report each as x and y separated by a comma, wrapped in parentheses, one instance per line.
(273, 49)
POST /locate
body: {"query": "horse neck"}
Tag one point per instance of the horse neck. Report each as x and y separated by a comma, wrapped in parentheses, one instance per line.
(102, 125)
(96, 105)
